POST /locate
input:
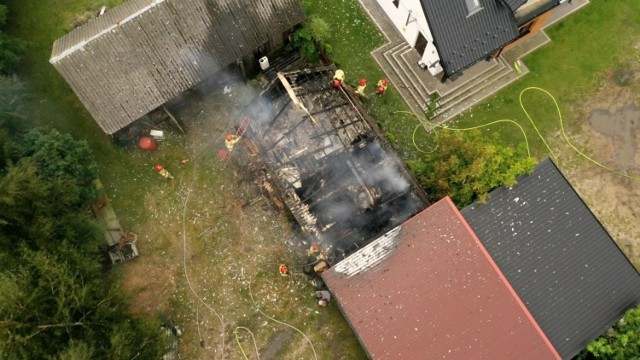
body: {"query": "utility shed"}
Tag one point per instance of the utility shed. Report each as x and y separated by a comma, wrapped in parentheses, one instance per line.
(562, 263)
(428, 289)
(340, 179)
(139, 55)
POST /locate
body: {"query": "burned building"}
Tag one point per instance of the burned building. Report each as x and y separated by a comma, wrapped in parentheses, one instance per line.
(338, 176)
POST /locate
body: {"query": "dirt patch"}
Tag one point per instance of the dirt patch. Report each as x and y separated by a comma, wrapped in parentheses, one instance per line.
(622, 128)
(609, 133)
(275, 345)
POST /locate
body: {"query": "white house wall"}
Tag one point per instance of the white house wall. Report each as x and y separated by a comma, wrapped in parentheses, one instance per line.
(409, 19)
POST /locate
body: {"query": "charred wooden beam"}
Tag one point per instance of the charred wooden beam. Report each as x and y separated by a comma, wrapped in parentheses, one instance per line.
(287, 134)
(328, 109)
(336, 129)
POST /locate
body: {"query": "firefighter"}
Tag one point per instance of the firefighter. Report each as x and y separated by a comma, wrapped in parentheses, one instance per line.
(361, 86)
(283, 270)
(338, 78)
(230, 141)
(381, 88)
(323, 297)
(314, 250)
(163, 172)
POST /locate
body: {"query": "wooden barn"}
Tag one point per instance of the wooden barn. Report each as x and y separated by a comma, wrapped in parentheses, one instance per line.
(143, 53)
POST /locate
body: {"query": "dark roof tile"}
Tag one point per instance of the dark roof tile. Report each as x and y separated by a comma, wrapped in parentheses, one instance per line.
(561, 261)
(463, 39)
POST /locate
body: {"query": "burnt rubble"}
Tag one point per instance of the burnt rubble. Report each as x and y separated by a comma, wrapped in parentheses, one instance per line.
(339, 178)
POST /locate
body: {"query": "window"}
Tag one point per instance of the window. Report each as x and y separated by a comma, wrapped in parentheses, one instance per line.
(396, 3)
(473, 6)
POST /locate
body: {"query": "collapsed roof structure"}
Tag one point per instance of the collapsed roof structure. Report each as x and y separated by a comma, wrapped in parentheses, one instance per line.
(338, 176)
(143, 53)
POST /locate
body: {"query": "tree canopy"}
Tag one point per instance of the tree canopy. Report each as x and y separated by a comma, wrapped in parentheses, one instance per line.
(622, 342)
(10, 48)
(467, 167)
(56, 300)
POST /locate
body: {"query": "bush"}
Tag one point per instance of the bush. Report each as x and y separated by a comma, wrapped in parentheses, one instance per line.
(306, 39)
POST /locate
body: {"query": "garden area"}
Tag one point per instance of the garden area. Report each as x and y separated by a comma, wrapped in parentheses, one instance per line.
(211, 242)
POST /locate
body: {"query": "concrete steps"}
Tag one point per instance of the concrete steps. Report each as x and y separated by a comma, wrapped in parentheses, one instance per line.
(476, 89)
(417, 87)
(387, 57)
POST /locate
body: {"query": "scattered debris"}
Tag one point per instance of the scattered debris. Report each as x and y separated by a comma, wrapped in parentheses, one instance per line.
(323, 297)
(174, 332)
(121, 245)
(157, 134)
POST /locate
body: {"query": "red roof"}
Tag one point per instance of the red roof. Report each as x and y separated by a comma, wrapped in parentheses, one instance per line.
(429, 289)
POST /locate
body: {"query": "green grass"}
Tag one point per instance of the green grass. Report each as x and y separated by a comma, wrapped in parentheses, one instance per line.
(599, 37)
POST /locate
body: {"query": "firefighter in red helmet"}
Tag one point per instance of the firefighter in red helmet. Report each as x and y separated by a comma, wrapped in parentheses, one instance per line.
(230, 141)
(361, 86)
(381, 88)
(338, 78)
(283, 270)
(163, 172)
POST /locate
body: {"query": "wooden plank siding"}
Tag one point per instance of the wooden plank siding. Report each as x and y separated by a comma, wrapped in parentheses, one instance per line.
(143, 53)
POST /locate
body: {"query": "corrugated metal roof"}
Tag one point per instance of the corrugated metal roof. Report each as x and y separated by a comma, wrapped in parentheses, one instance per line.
(564, 265)
(429, 290)
(143, 53)
(463, 39)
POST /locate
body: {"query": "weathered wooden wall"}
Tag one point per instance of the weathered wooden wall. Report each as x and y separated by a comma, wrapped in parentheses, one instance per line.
(143, 53)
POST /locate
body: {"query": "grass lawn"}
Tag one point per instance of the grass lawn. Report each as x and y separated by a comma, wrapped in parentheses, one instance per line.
(597, 39)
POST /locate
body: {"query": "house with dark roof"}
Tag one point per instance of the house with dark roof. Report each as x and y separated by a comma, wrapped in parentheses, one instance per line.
(143, 53)
(429, 289)
(452, 35)
(562, 263)
(531, 274)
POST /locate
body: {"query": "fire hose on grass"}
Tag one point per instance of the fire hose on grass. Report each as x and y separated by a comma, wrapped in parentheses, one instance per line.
(425, 121)
(315, 355)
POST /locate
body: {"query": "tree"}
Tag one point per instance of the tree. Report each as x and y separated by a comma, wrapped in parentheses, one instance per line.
(56, 301)
(304, 40)
(60, 158)
(58, 305)
(467, 167)
(621, 343)
(10, 48)
(12, 119)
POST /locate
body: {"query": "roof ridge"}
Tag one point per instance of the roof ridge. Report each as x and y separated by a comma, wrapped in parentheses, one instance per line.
(111, 20)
